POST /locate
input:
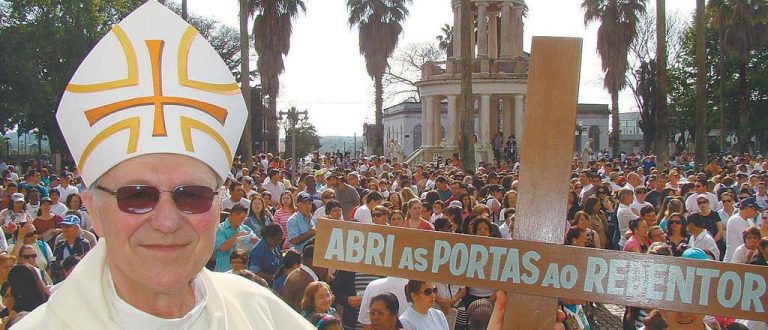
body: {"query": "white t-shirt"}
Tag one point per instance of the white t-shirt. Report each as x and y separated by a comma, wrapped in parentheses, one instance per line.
(636, 206)
(624, 215)
(433, 320)
(65, 192)
(740, 255)
(392, 285)
(705, 242)
(733, 235)
(59, 208)
(363, 214)
(692, 205)
(228, 203)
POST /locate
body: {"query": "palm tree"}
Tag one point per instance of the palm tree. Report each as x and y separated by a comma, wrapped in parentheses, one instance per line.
(662, 127)
(701, 86)
(445, 40)
(618, 25)
(379, 28)
(743, 27)
(272, 28)
(246, 145)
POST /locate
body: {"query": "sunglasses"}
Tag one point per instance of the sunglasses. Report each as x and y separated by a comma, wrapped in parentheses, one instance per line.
(139, 199)
(377, 214)
(28, 256)
(674, 222)
(30, 234)
(703, 202)
(429, 291)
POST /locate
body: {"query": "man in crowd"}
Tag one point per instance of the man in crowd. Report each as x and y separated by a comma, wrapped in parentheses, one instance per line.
(363, 213)
(301, 225)
(700, 237)
(236, 193)
(748, 209)
(229, 232)
(345, 194)
(298, 280)
(700, 187)
(274, 185)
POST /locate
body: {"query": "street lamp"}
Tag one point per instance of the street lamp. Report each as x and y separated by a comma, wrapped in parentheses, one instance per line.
(293, 119)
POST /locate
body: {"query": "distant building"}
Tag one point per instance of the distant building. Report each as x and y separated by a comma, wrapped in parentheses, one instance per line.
(402, 122)
(630, 133)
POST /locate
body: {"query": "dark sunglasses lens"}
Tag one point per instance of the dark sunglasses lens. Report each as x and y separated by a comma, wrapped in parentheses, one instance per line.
(193, 199)
(429, 292)
(137, 199)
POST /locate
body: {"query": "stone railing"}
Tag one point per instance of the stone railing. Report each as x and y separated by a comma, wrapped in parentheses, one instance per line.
(451, 69)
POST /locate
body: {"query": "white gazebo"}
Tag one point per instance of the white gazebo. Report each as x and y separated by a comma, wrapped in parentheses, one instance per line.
(499, 80)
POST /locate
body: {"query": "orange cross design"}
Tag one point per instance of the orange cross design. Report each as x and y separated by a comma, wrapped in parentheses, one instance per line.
(157, 99)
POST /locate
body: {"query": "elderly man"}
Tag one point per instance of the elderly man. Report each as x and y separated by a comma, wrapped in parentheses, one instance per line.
(346, 194)
(152, 180)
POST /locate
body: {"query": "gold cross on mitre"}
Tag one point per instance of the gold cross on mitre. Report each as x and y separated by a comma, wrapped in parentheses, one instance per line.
(151, 68)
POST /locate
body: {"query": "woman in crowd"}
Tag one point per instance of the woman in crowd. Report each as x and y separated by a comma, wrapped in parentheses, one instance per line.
(326, 196)
(333, 210)
(468, 203)
(677, 233)
(238, 259)
(266, 199)
(421, 315)
(572, 205)
(348, 288)
(414, 219)
(596, 219)
(47, 222)
(379, 215)
(509, 201)
(761, 257)
(26, 288)
(397, 203)
(258, 217)
(581, 220)
(27, 236)
(286, 210)
(7, 261)
(317, 299)
(576, 236)
(453, 214)
(637, 242)
(291, 261)
(75, 203)
(406, 194)
(265, 258)
(383, 311)
(14, 215)
(670, 206)
(323, 321)
(396, 219)
(746, 251)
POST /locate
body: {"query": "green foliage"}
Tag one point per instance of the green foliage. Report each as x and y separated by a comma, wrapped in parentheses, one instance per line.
(307, 140)
(42, 43)
(682, 83)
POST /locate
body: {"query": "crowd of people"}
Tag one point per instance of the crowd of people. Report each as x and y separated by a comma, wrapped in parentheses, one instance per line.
(267, 228)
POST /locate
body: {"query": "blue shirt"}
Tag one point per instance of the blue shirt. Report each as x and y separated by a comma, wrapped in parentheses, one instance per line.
(264, 260)
(223, 233)
(298, 225)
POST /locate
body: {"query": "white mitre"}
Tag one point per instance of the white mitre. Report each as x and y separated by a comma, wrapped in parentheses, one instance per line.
(151, 85)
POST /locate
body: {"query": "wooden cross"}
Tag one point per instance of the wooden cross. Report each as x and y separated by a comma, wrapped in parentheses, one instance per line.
(535, 268)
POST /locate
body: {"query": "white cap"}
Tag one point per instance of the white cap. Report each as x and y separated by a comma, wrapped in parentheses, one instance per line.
(151, 85)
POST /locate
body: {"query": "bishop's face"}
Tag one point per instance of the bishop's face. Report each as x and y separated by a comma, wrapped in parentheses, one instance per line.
(170, 247)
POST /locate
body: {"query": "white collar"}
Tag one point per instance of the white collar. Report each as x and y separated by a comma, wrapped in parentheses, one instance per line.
(310, 272)
(128, 316)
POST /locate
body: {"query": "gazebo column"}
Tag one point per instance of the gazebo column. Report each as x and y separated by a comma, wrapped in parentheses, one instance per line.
(493, 33)
(506, 30)
(493, 125)
(485, 118)
(452, 129)
(436, 120)
(517, 31)
(519, 106)
(507, 116)
(482, 36)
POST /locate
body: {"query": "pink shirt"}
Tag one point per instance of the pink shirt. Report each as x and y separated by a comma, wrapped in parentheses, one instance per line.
(281, 217)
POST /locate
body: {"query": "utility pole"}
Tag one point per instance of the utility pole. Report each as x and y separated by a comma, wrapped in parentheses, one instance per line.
(468, 110)
(701, 86)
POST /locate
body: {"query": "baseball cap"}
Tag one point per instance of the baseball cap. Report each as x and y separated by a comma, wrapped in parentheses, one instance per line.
(71, 220)
(17, 197)
(455, 203)
(303, 197)
(54, 177)
(750, 202)
(46, 199)
(695, 253)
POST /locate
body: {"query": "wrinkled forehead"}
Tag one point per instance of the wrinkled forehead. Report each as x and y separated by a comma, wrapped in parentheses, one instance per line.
(150, 168)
